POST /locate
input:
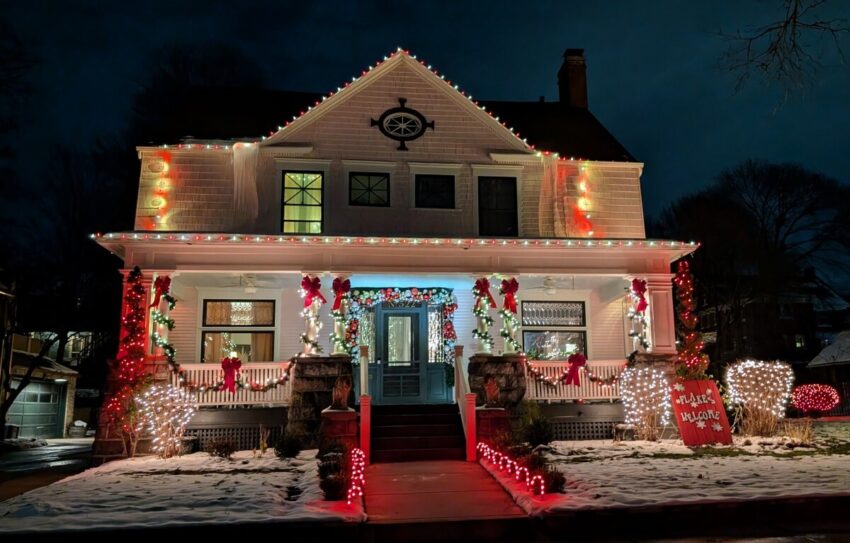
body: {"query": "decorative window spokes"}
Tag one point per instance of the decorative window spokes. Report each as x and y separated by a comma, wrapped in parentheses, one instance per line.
(302, 202)
(402, 125)
(369, 189)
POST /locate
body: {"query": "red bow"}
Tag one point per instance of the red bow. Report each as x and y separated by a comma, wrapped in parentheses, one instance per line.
(312, 286)
(161, 286)
(340, 288)
(576, 361)
(639, 289)
(509, 289)
(230, 366)
(483, 287)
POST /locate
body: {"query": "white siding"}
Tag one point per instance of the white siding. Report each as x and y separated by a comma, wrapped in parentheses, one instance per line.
(185, 336)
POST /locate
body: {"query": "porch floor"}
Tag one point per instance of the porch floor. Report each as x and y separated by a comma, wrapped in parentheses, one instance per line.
(435, 491)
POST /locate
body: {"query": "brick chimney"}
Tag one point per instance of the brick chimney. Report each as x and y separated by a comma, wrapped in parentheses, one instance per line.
(572, 79)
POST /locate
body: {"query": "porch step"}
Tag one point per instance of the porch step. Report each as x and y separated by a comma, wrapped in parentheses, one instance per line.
(402, 433)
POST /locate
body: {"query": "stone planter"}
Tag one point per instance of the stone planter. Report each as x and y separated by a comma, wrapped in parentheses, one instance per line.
(313, 382)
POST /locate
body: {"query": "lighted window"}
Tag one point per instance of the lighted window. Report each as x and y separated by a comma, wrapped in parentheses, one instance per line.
(369, 189)
(800, 341)
(554, 344)
(238, 312)
(247, 346)
(302, 202)
(435, 191)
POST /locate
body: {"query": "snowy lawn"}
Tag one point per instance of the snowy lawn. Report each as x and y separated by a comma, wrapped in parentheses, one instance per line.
(192, 489)
(604, 474)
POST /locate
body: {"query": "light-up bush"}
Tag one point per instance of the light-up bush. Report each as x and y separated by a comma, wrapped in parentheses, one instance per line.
(814, 400)
(646, 400)
(165, 410)
(761, 390)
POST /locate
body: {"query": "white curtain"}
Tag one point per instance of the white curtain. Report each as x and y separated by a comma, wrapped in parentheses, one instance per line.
(553, 199)
(245, 157)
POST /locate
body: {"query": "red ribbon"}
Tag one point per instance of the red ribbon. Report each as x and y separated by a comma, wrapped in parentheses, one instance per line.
(483, 287)
(312, 286)
(230, 366)
(576, 361)
(161, 286)
(340, 289)
(639, 289)
(509, 289)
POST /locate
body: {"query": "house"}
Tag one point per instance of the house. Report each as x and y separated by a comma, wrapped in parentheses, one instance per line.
(410, 192)
(45, 407)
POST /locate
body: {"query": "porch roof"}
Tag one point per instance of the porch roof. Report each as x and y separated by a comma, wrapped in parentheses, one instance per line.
(207, 250)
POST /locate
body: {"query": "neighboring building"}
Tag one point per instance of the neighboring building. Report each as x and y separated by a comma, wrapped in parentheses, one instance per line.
(806, 317)
(45, 408)
(397, 181)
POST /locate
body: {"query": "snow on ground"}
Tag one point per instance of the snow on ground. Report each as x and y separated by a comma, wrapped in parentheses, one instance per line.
(192, 489)
(603, 474)
(21, 443)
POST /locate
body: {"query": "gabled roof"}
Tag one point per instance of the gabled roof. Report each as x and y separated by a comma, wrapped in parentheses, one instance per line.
(246, 113)
(836, 354)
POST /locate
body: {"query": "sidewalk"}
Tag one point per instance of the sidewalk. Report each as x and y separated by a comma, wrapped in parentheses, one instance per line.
(25, 470)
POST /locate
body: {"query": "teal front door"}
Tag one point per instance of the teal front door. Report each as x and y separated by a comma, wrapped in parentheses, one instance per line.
(401, 362)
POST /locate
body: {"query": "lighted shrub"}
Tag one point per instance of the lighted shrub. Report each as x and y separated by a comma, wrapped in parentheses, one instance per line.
(646, 401)
(814, 400)
(761, 390)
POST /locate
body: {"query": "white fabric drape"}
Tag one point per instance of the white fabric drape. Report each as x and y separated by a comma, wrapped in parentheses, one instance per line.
(553, 200)
(245, 202)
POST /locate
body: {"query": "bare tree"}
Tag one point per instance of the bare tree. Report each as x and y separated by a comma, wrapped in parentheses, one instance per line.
(785, 51)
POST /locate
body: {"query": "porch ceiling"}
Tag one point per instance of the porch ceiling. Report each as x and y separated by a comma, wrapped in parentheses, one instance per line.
(276, 253)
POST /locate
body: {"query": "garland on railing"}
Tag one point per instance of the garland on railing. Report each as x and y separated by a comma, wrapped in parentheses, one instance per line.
(240, 382)
(589, 374)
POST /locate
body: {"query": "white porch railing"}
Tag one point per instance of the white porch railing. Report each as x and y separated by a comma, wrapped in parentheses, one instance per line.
(251, 372)
(465, 401)
(553, 369)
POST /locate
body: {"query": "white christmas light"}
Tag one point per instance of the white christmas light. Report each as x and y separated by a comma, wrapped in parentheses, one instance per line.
(761, 385)
(646, 399)
(165, 412)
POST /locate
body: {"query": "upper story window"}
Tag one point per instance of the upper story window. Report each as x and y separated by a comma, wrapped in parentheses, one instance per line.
(435, 191)
(302, 202)
(369, 189)
(497, 206)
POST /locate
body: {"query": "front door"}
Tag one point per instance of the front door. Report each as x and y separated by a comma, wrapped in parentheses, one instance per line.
(401, 363)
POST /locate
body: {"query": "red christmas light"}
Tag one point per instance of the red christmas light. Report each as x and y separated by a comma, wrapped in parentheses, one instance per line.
(358, 474)
(815, 399)
(534, 483)
(692, 363)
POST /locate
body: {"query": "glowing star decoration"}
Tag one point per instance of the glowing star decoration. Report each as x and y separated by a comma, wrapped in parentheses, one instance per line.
(165, 411)
(645, 393)
(761, 391)
(815, 399)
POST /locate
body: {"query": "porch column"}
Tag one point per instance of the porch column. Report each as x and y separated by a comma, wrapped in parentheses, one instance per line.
(661, 312)
(311, 286)
(339, 311)
(481, 309)
(508, 289)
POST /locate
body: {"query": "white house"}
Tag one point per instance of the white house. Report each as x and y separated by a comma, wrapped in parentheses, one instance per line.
(399, 180)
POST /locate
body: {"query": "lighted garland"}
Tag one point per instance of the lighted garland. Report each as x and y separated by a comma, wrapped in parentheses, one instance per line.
(588, 373)
(637, 313)
(313, 300)
(815, 399)
(364, 299)
(534, 482)
(341, 342)
(761, 385)
(691, 361)
(645, 393)
(165, 411)
(510, 323)
(241, 383)
(162, 291)
(481, 309)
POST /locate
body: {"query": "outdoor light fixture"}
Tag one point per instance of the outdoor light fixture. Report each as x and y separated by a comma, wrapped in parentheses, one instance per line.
(60, 380)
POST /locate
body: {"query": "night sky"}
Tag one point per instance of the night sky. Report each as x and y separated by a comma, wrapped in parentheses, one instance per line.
(653, 72)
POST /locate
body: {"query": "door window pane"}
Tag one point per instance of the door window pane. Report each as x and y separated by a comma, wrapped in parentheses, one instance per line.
(399, 339)
(302, 202)
(553, 344)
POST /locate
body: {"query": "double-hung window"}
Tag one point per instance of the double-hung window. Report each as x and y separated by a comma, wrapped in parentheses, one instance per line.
(241, 328)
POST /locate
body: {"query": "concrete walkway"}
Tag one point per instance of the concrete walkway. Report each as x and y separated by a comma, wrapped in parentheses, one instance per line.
(436, 491)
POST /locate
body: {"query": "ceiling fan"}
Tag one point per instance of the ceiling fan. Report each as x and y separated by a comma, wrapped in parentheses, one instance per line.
(249, 282)
(551, 285)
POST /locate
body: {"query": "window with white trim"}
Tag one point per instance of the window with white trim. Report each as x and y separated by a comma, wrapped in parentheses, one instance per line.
(241, 328)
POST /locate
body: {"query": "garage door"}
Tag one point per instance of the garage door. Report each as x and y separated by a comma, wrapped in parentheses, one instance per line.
(37, 410)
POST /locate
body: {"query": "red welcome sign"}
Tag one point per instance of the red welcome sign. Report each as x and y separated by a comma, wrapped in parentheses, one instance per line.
(699, 413)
